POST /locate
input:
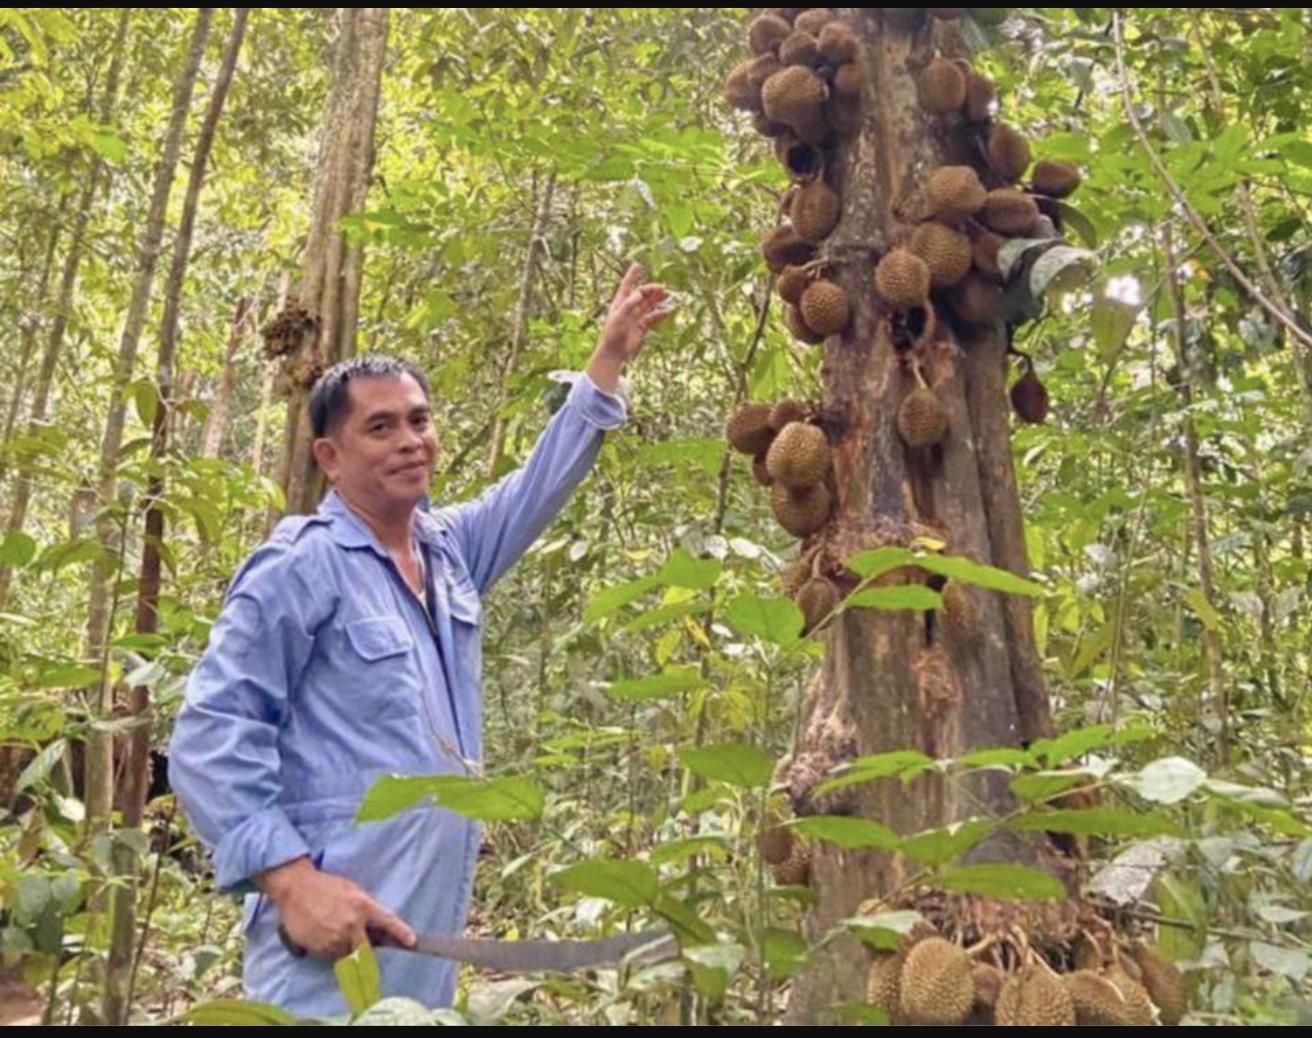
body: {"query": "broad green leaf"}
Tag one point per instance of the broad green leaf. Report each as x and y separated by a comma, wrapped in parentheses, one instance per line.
(687, 927)
(1005, 756)
(682, 570)
(970, 572)
(510, 798)
(845, 832)
(1203, 609)
(1072, 744)
(713, 966)
(1061, 269)
(776, 620)
(358, 979)
(236, 1012)
(882, 931)
(1076, 220)
(877, 561)
(785, 953)
(1291, 963)
(40, 765)
(1111, 321)
(674, 681)
(738, 764)
(616, 597)
(1009, 882)
(1098, 821)
(663, 615)
(940, 846)
(1043, 785)
(904, 763)
(680, 850)
(66, 675)
(629, 884)
(905, 596)
(1166, 781)
(17, 549)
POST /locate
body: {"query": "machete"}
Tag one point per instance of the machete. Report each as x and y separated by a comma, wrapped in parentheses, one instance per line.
(535, 956)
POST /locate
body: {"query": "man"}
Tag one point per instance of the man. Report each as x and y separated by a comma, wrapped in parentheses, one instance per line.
(348, 648)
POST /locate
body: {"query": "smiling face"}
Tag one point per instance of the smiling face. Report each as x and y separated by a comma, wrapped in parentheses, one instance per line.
(379, 455)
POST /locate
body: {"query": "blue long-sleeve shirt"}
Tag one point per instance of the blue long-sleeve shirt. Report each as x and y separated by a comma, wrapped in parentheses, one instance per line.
(324, 671)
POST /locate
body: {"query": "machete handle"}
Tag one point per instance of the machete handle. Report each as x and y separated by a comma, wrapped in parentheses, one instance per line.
(377, 938)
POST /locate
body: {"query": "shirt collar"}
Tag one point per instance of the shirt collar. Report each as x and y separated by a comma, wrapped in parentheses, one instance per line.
(350, 531)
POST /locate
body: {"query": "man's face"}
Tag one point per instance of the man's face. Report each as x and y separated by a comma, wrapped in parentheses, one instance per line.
(381, 453)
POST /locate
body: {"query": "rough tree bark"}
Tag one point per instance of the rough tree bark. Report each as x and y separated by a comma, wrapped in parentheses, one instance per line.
(332, 267)
(99, 783)
(216, 422)
(898, 680)
(67, 284)
(117, 996)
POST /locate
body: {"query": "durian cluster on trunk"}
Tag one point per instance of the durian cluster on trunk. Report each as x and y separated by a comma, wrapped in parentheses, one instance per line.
(929, 979)
(803, 88)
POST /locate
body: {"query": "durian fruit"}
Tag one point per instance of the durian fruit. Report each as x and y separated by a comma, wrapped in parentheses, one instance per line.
(739, 90)
(882, 984)
(817, 599)
(980, 96)
(1137, 1007)
(794, 870)
(801, 512)
(794, 95)
(759, 472)
(1008, 152)
(935, 985)
(775, 844)
(791, 283)
(816, 210)
(1008, 211)
(1034, 997)
(799, 457)
(784, 247)
(921, 419)
(800, 48)
(988, 981)
(959, 615)
(954, 192)
(825, 307)
(902, 279)
(1029, 398)
(941, 87)
(1054, 179)
(1164, 982)
(748, 428)
(814, 19)
(1095, 998)
(975, 299)
(848, 79)
(283, 332)
(786, 411)
(793, 576)
(945, 250)
(793, 319)
(838, 43)
(766, 32)
(984, 249)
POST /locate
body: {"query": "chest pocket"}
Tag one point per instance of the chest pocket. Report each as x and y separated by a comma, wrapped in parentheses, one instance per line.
(381, 647)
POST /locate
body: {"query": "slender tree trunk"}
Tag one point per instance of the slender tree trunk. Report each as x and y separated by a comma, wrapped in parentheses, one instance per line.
(99, 761)
(1193, 486)
(136, 773)
(519, 326)
(332, 270)
(906, 680)
(67, 284)
(30, 333)
(216, 424)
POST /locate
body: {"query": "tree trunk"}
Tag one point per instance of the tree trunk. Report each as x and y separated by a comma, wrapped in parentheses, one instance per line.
(67, 284)
(905, 680)
(99, 782)
(332, 269)
(117, 997)
(216, 424)
(31, 328)
(519, 327)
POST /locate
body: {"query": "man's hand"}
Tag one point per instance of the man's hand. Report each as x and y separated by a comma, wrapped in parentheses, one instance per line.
(326, 915)
(635, 309)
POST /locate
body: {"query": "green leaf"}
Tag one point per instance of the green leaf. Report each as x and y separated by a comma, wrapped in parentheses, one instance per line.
(1061, 269)
(776, 620)
(905, 596)
(146, 398)
(1111, 322)
(65, 675)
(109, 147)
(1202, 608)
(629, 884)
(713, 966)
(1167, 781)
(687, 927)
(1097, 821)
(848, 833)
(1298, 152)
(236, 1012)
(682, 570)
(510, 798)
(663, 615)
(784, 951)
(1009, 882)
(882, 931)
(17, 549)
(1044, 785)
(671, 682)
(877, 561)
(358, 979)
(40, 766)
(970, 572)
(939, 846)
(680, 850)
(1006, 756)
(1072, 744)
(1076, 220)
(905, 763)
(1290, 963)
(616, 597)
(738, 764)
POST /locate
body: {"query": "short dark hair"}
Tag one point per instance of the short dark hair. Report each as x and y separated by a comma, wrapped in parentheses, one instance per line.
(330, 398)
